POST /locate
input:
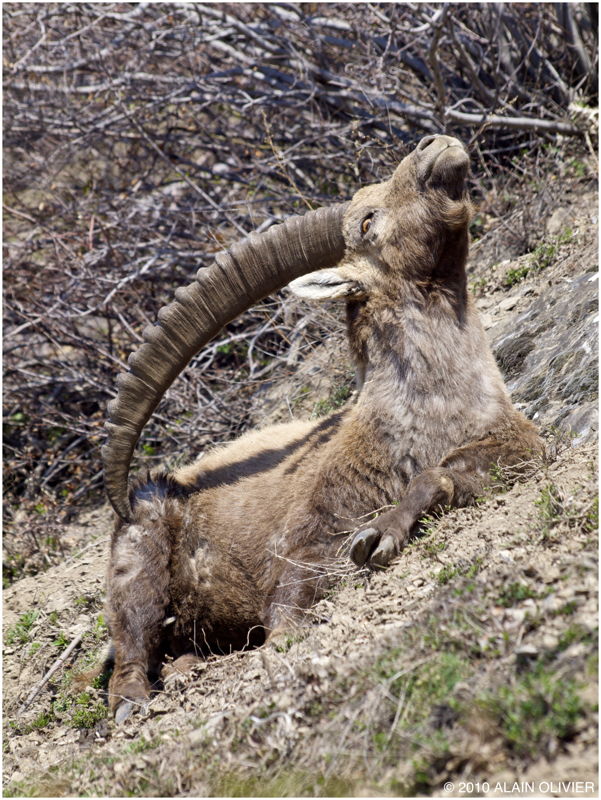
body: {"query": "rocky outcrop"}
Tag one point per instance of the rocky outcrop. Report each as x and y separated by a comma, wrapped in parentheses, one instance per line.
(549, 357)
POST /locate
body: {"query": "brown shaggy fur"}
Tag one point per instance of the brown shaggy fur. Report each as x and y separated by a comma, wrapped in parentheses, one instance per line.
(230, 549)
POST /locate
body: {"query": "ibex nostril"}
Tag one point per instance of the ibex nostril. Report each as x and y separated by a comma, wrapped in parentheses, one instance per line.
(426, 142)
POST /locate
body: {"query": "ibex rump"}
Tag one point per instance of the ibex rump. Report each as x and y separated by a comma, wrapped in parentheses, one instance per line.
(228, 550)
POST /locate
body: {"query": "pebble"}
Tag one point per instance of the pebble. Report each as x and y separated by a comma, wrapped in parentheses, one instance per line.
(588, 621)
(552, 603)
(526, 653)
(576, 650)
(550, 642)
(508, 303)
(197, 737)
(516, 616)
(551, 575)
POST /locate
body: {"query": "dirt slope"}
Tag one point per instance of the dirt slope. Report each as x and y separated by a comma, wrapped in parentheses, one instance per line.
(473, 657)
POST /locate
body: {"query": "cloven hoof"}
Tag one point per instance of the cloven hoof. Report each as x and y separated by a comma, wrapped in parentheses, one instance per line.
(127, 708)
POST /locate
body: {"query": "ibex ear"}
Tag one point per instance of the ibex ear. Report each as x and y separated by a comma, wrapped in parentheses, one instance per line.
(327, 284)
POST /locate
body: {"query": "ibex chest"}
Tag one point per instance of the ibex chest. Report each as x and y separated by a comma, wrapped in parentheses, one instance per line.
(439, 391)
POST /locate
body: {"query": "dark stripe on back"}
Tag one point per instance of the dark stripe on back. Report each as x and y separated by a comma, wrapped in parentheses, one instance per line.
(162, 484)
(318, 436)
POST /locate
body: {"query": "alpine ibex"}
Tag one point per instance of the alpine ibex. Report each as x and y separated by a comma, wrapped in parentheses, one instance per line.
(225, 552)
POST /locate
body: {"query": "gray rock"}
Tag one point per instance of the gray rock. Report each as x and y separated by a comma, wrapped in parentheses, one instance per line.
(548, 356)
(508, 303)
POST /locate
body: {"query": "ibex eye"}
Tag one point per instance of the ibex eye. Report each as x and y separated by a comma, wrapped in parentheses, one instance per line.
(366, 224)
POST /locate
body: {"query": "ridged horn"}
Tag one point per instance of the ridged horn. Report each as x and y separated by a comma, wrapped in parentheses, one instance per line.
(237, 279)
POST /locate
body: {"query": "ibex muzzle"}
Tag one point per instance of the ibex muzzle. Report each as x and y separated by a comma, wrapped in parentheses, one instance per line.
(230, 550)
(442, 161)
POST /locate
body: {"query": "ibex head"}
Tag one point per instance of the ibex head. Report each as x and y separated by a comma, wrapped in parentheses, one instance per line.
(412, 227)
(406, 242)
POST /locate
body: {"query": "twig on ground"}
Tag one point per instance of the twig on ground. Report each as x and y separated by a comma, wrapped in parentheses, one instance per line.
(57, 664)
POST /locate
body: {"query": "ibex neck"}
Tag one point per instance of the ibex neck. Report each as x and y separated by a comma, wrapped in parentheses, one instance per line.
(433, 378)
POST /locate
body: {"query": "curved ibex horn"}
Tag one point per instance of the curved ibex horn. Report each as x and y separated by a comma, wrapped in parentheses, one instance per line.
(238, 278)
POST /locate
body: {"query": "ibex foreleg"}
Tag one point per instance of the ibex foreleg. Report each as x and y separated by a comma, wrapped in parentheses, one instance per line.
(460, 478)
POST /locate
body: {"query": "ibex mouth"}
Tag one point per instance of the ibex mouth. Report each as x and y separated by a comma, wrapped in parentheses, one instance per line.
(442, 162)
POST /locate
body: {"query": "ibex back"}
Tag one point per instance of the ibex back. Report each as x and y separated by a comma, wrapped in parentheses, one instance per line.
(229, 550)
